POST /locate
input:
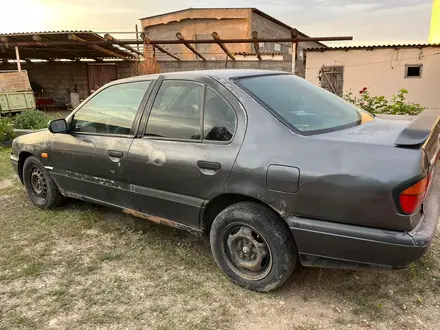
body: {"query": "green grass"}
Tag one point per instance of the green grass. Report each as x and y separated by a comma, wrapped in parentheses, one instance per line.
(82, 266)
(5, 166)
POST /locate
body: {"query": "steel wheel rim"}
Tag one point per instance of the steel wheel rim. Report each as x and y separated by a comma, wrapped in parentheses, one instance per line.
(247, 251)
(38, 183)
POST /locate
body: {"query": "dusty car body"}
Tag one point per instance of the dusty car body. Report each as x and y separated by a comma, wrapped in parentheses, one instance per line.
(337, 192)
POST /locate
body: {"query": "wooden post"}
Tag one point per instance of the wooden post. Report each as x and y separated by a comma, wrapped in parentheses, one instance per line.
(117, 42)
(148, 40)
(191, 48)
(223, 46)
(294, 34)
(256, 44)
(137, 37)
(72, 36)
(17, 57)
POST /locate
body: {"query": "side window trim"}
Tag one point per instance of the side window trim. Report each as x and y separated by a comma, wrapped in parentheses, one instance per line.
(145, 113)
(149, 106)
(202, 114)
(136, 120)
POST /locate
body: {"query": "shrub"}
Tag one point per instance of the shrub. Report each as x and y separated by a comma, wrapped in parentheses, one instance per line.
(32, 119)
(6, 129)
(380, 105)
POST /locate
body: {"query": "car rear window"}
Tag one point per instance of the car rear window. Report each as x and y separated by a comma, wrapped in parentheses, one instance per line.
(306, 108)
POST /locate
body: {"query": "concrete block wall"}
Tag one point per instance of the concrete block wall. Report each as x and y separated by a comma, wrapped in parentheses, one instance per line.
(124, 69)
(202, 29)
(57, 79)
(268, 29)
(199, 24)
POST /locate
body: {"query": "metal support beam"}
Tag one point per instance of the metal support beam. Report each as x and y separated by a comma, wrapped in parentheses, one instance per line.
(148, 40)
(191, 48)
(117, 42)
(72, 36)
(177, 42)
(256, 43)
(222, 46)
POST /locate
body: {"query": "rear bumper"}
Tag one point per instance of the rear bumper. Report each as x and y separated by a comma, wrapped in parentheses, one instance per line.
(329, 244)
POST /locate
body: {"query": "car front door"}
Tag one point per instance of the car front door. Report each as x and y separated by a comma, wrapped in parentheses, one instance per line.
(186, 150)
(89, 161)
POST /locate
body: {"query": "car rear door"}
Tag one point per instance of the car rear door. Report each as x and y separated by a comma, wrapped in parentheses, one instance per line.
(89, 161)
(188, 143)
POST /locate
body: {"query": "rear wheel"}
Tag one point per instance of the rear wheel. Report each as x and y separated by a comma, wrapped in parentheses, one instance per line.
(40, 187)
(253, 246)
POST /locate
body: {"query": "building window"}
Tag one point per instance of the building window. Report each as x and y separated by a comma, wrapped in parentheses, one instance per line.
(277, 47)
(413, 71)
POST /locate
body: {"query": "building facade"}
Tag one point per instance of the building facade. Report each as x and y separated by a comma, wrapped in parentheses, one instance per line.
(384, 70)
(229, 23)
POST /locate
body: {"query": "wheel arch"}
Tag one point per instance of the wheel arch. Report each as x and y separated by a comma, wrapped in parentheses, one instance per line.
(23, 155)
(215, 205)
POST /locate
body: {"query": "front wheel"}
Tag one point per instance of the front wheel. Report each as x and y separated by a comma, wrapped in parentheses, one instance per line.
(40, 187)
(253, 246)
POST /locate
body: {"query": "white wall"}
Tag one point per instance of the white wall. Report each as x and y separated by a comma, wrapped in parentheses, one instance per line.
(382, 70)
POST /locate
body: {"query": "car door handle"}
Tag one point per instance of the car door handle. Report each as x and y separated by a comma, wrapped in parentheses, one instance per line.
(115, 154)
(209, 165)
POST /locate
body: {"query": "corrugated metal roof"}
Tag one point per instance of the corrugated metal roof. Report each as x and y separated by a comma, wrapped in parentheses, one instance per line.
(262, 53)
(11, 34)
(70, 49)
(371, 47)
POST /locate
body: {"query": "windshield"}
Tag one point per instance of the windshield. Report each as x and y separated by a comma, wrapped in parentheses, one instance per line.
(306, 108)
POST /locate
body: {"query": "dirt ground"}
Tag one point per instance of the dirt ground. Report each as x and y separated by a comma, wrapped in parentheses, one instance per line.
(83, 266)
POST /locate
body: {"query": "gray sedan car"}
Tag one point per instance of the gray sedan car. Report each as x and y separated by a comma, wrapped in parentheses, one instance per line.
(273, 170)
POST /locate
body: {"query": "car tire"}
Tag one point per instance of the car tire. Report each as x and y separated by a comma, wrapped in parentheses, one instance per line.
(253, 246)
(40, 187)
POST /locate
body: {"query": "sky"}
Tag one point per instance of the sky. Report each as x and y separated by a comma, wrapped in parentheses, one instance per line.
(368, 21)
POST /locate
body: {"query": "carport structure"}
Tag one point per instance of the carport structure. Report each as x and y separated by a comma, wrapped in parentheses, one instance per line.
(62, 62)
(62, 45)
(78, 45)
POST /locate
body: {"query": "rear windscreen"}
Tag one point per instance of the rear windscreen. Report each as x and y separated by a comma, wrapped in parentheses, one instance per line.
(306, 108)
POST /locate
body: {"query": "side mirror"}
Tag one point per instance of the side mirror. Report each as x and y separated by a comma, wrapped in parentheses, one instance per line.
(58, 126)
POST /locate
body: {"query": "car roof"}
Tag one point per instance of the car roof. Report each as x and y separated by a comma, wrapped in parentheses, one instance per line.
(225, 74)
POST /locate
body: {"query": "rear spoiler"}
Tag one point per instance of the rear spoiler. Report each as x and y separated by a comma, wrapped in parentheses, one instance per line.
(419, 130)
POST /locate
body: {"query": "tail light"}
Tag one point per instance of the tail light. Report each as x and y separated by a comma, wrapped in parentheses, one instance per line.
(411, 198)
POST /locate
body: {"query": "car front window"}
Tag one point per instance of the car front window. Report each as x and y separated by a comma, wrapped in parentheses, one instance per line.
(306, 108)
(111, 111)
